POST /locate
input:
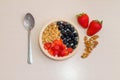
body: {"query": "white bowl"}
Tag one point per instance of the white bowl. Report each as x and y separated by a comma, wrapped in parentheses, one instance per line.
(55, 57)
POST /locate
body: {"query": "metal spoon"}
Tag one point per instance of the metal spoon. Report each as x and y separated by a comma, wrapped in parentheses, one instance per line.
(29, 23)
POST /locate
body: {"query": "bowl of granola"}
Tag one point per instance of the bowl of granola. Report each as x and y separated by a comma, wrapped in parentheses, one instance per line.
(59, 39)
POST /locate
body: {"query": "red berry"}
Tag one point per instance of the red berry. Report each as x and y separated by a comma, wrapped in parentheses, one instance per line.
(51, 52)
(56, 52)
(94, 27)
(57, 42)
(83, 20)
(47, 45)
(70, 50)
(63, 53)
(56, 47)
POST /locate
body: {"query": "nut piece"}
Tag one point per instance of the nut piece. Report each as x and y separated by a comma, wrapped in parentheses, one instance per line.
(85, 55)
(95, 44)
(90, 44)
(85, 38)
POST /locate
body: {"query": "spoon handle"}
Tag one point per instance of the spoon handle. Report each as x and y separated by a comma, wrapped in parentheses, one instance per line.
(29, 59)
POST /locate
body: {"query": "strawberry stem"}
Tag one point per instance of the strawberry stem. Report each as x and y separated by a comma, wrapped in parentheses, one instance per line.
(101, 21)
(80, 14)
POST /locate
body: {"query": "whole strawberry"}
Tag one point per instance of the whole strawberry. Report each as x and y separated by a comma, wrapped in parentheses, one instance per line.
(94, 27)
(83, 20)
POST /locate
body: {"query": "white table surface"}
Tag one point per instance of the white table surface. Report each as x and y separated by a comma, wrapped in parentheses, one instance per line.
(102, 64)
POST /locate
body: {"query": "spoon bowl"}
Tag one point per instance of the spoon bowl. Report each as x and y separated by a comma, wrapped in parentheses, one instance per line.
(29, 21)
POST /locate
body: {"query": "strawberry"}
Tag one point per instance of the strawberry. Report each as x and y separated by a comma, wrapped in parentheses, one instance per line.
(47, 45)
(56, 47)
(83, 20)
(70, 50)
(63, 53)
(94, 27)
(57, 42)
(51, 52)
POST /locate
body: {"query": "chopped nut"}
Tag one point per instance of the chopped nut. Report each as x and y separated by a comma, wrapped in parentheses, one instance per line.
(85, 38)
(90, 44)
(85, 55)
(95, 44)
(95, 37)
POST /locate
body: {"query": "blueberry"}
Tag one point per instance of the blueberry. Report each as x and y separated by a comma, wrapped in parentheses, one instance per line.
(65, 41)
(69, 26)
(72, 36)
(67, 37)
(75, 34)
(62, 37)
(72, 29)
(68, 31)
(63, 31)
(59, 23)
(65, 28)
(68, 45)
(64, 24)
(60, 27)
(70, 41)
(75, 39)
(75, 42)
(73, 46)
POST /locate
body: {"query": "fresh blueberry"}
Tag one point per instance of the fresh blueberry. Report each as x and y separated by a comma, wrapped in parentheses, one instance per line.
(64, 24)
(58, 23)
(60, 27)
(62, 36)
(63, 31)
(73, 46)
(65, 41)
(70, 41)
(67, 37)
(69, 26)
(75, 34)
(72, 29)
(65, 28)
(68, 45)
(75, 39)
(72, 36)
(75, 42)
(68, 32)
